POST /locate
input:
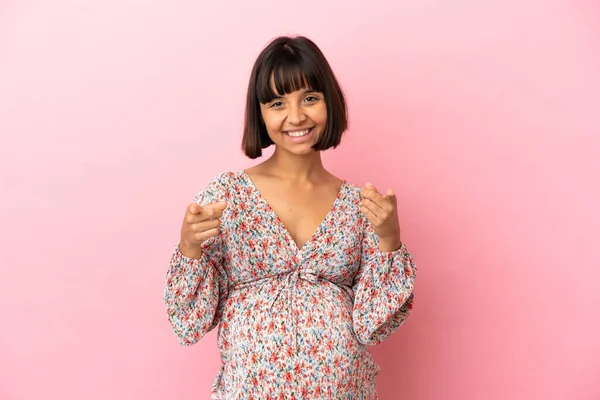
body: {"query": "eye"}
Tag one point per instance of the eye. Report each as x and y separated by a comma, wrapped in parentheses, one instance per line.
(276, 104)
(311, 99)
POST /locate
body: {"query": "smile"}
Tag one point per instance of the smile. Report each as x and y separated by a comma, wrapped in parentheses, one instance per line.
(301, 133)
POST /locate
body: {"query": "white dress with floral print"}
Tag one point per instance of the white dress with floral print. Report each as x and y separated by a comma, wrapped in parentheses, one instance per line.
(293, 323)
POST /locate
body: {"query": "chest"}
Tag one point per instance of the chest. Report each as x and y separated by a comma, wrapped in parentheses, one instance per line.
(301, 215)
(273, 229)
(300, 211)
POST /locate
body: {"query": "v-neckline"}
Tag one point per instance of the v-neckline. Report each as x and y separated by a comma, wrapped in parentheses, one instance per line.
(291, 242)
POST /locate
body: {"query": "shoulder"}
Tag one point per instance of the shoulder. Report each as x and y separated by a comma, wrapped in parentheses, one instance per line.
(350, 197)
(349, 205)
(220, 187)
(226, 179)
(351, 190)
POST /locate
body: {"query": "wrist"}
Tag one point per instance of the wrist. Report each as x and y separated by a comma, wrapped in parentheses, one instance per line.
(388, 245)
(190, 250)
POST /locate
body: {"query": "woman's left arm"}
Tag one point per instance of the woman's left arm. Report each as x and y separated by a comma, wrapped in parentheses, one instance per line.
(383, 287)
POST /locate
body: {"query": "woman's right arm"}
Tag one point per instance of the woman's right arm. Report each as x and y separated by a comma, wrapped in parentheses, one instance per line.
(196, 285)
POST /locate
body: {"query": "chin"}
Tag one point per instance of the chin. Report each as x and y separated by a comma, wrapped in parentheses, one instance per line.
(299, 151)
(305, 148)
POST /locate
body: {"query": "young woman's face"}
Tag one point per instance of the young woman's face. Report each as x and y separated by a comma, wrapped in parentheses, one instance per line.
(295, 121)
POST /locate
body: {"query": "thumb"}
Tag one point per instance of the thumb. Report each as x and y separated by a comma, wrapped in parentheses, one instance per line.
(389, 194)
(194, 208)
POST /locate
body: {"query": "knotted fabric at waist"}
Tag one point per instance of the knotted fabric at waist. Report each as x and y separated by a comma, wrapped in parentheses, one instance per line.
(290, 279)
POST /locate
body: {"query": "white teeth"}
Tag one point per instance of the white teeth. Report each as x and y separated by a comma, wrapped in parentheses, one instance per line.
(298, 133)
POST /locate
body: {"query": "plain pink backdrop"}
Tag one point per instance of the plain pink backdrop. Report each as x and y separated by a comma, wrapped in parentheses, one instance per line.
(483, 115)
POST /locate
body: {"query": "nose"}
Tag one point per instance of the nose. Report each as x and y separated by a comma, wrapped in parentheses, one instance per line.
(296, 115)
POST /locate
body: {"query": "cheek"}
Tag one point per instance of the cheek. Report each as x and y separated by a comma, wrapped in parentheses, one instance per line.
(320, 115)
(273, 127)
(272, 122)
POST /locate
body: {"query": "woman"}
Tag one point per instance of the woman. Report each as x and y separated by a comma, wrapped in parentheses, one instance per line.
(300, 269)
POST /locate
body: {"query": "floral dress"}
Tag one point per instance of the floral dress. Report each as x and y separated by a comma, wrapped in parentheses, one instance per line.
(293, 322)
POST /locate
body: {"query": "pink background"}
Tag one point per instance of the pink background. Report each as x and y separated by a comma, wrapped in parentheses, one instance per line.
(483, 115)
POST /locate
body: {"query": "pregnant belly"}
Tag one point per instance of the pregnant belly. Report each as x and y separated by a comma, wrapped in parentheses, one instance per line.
(297, 333)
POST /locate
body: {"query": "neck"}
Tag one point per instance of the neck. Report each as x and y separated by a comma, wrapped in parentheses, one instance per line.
(306, 167)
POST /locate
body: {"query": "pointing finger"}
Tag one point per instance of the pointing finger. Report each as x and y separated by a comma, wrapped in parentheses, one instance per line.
(371, 193)
(214, 210)
(371, 205)
(220, 206)
(198, 213)
(370, 186)
(194, 209)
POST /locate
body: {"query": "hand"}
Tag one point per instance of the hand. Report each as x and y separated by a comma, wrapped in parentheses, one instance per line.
(200, 224)
(382, 212)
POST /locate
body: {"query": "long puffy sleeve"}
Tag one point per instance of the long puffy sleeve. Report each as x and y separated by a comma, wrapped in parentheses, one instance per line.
(195, 290)
(383, 289)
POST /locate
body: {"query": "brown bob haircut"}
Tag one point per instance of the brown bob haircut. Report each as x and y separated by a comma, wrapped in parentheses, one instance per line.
(292, 63)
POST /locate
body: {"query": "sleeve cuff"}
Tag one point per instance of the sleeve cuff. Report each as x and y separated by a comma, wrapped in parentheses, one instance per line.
(385, 262)
(195, 263)
(390, 254)
(180, 259)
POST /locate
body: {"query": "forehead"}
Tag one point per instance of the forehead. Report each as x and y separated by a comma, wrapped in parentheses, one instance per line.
(299, 92)
(286, 78)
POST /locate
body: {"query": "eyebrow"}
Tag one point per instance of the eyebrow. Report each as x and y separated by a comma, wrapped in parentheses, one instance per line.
(303, 92)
